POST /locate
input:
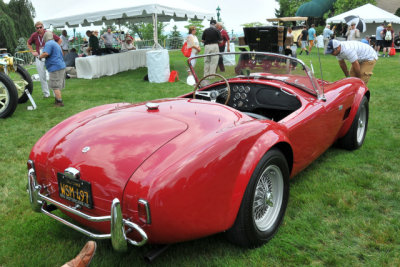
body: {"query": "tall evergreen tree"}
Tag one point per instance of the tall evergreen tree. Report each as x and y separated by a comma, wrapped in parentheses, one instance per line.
(22, 13)
(7, 32)
(16, 20)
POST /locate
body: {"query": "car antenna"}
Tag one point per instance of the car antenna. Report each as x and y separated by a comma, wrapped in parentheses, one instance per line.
(320, 69)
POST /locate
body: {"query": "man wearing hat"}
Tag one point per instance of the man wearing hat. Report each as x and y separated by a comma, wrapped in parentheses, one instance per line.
(361, 56)
(211, 37)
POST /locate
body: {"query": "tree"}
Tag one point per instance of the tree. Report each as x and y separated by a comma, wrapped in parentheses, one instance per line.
(288, 8)
(145, 30)
(175, 38)
(341, 6)
(22, 13)
(7, 32)
(16, 20)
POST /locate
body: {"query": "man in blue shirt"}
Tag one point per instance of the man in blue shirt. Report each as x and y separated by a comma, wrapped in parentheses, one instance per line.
(379, 38)
(311, 37)
(327, 33)
(55, 65)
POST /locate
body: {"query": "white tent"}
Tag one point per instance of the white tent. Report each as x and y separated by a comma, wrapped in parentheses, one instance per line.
(149, 12)
(372, 15)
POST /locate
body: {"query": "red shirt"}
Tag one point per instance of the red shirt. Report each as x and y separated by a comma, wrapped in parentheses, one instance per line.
(38, 40)
(225, 37)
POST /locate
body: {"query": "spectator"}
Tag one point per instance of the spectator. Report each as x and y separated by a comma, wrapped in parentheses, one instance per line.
(289, 43)
(55, 65)
(128, 45)
(69, 60)
(366, 40)
(93, 48)
(211, 37)
(327, 34)
(388, 36)
(304, 37)
(37, 39)
(64, 42)
(352, 33)
(128, 36)
(96, 33)
(221, 45)
(361, 56)
(108, 38)
(193, 42)
(378, 38)
(312, 36)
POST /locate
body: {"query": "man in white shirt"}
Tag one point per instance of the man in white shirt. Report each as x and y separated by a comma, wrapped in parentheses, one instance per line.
(361, 56)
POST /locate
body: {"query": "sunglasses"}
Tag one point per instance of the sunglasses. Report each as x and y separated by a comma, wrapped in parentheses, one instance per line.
(37, 28)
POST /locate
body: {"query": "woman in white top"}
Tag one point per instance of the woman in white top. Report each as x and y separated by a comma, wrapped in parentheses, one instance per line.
(193, 42)
(353, 34)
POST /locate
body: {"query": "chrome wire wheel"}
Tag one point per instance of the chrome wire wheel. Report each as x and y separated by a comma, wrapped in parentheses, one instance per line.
(268, 197)
(361, 124)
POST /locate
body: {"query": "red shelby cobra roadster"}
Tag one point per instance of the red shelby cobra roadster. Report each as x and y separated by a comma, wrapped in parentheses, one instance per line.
(217, 159)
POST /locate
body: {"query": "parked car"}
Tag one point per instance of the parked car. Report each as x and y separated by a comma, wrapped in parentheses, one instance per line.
(218, 159)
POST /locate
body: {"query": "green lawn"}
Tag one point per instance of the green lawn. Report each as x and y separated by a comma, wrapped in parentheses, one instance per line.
(343, 209)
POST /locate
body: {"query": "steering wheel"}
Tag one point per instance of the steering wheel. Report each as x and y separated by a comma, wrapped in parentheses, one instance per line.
(213, 94)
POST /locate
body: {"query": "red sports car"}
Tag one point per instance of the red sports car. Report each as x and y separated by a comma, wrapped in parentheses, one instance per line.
(217, 159)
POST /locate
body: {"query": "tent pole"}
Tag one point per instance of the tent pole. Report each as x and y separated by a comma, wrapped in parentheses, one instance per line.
(155, 31)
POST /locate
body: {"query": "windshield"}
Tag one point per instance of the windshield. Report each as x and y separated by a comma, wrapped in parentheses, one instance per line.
(256, 65)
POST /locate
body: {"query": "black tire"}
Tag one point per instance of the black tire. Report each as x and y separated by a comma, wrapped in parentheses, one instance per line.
(355, 137)
(8, 96)
(256, 223)
(24, 74)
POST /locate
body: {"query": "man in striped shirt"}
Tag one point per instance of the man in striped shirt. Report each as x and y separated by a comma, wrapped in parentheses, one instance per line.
(361, 56)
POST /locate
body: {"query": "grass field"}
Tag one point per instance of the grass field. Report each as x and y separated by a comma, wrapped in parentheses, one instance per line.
(343, 209)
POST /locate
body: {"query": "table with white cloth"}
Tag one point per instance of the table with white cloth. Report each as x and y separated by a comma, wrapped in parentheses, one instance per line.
(97, 66)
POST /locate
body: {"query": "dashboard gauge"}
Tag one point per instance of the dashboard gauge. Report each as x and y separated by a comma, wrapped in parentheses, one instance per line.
(247, 89)
(235, 88)
(243, 96)
(237, 96)
(241, 89)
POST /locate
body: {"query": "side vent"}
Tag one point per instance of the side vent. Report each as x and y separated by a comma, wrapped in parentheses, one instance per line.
(346, 113)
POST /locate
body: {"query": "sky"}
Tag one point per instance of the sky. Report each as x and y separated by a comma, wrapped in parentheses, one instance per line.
(233, 12)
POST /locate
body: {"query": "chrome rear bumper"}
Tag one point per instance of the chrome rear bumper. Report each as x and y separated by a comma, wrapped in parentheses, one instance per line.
(119, 240)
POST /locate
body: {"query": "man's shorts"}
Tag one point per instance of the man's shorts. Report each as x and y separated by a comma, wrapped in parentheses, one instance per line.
(303, 44)
(57, 79)
(311, 43)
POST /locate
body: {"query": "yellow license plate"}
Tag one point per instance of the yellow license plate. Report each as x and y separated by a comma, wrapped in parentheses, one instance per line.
(75, 190)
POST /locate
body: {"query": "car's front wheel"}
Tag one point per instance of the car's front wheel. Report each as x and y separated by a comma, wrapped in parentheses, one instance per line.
(264, 202)
(354, 138)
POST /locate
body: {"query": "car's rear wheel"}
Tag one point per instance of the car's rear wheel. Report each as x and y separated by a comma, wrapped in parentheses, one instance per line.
(8, 96)
(354, 138)
(264, 202)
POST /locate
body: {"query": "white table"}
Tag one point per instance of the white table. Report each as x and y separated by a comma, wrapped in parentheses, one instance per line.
(96, 66)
